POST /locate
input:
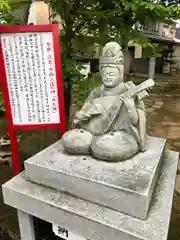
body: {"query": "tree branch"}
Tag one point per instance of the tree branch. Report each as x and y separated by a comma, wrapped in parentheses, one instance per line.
(79, 27)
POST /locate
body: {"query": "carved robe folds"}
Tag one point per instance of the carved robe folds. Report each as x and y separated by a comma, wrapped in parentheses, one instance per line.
(106, 129)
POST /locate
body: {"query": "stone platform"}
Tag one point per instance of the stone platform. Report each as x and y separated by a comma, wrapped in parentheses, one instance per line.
(123, 186)
(91, 220)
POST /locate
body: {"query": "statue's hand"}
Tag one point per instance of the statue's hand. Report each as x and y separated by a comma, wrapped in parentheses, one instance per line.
(85, 114)
(131, 108)
(81, 116)
(128, 102)
(76, 122)
(78, 118)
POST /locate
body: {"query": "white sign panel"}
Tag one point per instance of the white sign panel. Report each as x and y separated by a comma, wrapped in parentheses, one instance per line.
(66, 234)
(31, 77)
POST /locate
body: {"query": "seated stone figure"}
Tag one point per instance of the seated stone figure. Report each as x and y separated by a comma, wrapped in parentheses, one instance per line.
(112, 123)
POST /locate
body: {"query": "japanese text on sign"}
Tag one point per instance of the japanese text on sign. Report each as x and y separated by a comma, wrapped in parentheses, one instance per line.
(65, 234)
(31, 77)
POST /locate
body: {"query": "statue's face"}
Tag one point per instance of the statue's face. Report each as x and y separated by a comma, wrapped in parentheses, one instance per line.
(111, 76)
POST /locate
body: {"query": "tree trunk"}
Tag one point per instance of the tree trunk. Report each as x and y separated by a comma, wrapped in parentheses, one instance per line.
(67, 100)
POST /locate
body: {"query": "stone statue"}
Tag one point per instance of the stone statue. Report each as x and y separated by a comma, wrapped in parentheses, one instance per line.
(112, 123)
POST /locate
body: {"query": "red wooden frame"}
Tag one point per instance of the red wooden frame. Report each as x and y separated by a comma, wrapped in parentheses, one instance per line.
(54, 28)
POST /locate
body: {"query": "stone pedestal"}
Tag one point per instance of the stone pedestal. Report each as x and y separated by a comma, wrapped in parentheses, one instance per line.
(123, 186)
(95, 199)
(91, 220)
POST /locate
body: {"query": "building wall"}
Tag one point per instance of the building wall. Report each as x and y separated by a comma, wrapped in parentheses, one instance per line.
(137, 49)
(167, 30)
(39, 13)
(42, 13)
(154, 30)
(142, 65)
(138, 59)
(157, 28)
(32, 14)
(176, 58)
(22, 14)
(176, 52)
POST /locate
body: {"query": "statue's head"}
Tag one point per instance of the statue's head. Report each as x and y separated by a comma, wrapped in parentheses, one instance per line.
(112, 65)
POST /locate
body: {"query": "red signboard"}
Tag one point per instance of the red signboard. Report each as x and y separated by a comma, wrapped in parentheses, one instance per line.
(31, 77)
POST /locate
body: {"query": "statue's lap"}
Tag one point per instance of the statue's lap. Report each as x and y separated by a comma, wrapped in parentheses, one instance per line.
(113, 146)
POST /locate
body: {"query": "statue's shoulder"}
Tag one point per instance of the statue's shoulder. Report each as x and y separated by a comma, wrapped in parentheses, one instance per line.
(95, 93)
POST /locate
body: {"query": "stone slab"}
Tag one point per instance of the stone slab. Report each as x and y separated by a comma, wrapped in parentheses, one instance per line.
(5, 160)
(179, 165)
(114, 185)
(4, 154)
(91, 220)
(177, 186)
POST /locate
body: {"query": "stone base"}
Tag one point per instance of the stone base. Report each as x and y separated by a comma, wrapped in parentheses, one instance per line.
(93, 221)
(5, 157)
(6, 160)
(123, 186)
(5, 144)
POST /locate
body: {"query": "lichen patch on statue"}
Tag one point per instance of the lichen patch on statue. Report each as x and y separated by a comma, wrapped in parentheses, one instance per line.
(112, 123)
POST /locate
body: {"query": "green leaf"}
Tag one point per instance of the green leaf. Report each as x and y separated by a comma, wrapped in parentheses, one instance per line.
(86, 22)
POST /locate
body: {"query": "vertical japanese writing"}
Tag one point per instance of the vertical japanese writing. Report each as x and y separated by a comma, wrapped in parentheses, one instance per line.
(45, 90)
(26, 68)
(15, 66)
(39, 55)
(63, 231)
(52, 81)
(8, 64)
(33, 88)
(25, 57)
(16, 75)
(31, 77)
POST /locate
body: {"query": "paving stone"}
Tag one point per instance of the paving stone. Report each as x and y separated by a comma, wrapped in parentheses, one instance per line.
(177, 186)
